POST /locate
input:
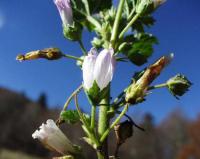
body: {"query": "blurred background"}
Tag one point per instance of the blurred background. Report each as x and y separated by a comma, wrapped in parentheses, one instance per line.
(32, 92)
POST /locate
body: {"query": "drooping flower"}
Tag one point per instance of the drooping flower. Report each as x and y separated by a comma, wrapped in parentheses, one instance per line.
(49, 54)
(99, 68)
(65, 10)
(52, 137)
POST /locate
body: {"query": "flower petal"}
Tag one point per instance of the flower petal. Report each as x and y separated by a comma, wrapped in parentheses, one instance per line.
(104, 68)
(88, 68)
(65, 10)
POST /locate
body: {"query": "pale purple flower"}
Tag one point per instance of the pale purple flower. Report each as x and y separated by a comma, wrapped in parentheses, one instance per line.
(157, 3)
(88, 68)
(65, 10)
(51, 136)
(98, 68)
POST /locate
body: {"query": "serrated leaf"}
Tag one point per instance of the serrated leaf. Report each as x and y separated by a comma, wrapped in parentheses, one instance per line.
(139, 48)
(99, 5)
(70, 116)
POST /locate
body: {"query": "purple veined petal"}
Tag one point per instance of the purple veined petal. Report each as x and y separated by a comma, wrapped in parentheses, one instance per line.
(65, 10)
(104, 68)
(88, 68)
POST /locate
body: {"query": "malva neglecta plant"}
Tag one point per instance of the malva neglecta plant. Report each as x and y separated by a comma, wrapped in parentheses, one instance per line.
(120, 36)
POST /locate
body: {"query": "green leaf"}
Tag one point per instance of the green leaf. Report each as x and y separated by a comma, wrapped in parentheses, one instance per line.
(70, 116)
(99, 5)
(139, 48)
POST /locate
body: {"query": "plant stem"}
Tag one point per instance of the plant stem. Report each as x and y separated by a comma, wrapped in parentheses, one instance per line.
(71, 97)
(93, 117)
(131, 14)
(86, 6)
(84, 122)
(72, 57)
(103, 125)
(116, 22)
(94, 22)
(158, 86)
(129, 25)
(100, 155)
(104, 136)
(82, 47)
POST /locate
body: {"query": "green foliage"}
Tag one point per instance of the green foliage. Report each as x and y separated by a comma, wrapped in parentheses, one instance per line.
(95, 94)
(70, 116)
(73, 32)
(139, 48)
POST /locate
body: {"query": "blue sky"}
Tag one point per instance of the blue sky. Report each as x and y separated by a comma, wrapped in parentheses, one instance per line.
(35, 24)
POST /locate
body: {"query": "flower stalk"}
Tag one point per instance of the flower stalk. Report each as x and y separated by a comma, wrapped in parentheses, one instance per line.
(116, 23)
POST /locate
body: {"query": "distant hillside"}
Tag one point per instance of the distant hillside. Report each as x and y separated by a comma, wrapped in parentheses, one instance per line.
(175, 138)
(19, 117)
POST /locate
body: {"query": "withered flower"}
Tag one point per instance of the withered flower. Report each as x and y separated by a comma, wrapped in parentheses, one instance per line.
(138, 89)
(49, 54)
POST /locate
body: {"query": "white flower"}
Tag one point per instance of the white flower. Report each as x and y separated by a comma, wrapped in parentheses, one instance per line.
(157, 3)
(65, 10)
(88, 68)
(104, 68)
(50, 135)
(98, 68)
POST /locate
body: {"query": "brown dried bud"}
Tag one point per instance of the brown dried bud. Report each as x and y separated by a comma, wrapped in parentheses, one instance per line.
(138, 89)
(123, 131)
(49, 54)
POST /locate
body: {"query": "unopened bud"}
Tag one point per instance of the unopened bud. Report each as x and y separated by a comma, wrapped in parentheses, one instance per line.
(157, 3)
(49, 54)
(178, 85)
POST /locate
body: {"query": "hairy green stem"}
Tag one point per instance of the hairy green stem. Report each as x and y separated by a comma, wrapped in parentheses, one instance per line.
(158, 86)
(100, 155)
(93, 117)
(82, 47)
(72, 57)
(116, 22)
(117, 120)
(87, 8)
(71, 97)
(131, 14)
(103, 125)
(129, 25)
(94, 22)
(84, 122)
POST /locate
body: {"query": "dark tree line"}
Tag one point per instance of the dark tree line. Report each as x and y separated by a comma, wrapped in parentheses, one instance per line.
(176, 137)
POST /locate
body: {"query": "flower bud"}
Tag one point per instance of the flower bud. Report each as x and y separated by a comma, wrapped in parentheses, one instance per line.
(98, 72)
(157, 3)
(142, 5)
(104, 68)
(65, 10)
(88, 68)
(178, 85)
(138, 89)
(53, 138)
(49, 54)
